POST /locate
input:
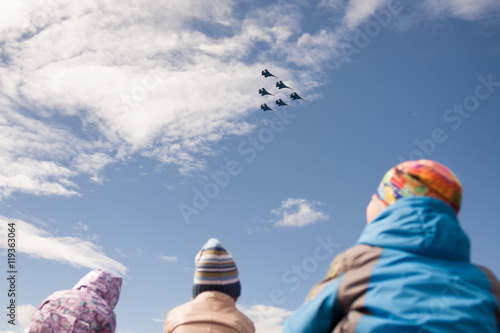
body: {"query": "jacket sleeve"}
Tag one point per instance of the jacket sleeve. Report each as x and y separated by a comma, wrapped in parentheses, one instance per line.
(495, 290)
(319, 314)
(326, 306)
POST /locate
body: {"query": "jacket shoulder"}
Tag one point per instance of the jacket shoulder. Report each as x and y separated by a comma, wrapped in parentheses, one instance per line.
(354, 258)
(247, 325)
(359, 263)
(202, 312)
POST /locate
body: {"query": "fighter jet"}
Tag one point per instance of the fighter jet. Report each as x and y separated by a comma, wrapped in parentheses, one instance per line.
(295, 96)
(266, 73)
(280, 102)
(264, 92)
(281, 85)
(264, 107)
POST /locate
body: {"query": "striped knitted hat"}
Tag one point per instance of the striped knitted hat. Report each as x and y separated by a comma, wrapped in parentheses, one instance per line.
(216, 270)
(421, 178)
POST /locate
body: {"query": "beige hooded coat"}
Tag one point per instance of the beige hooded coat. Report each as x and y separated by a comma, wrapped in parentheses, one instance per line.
(209, 312)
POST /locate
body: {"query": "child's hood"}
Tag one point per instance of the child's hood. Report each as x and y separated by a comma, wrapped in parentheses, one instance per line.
(421, 225)
(106, 285)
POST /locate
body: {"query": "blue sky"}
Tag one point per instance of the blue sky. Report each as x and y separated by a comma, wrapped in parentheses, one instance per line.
(131, 134)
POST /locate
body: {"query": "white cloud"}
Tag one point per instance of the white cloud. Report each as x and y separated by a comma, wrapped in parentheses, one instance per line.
(315, 51)
(39, 243)
(25, 312)
(159, 320)
(465, 9)
(86, 84)
(38, 158)
(121, 253)
(171, 259)
(267, 319)
(185, 269)
(80, 226)
(296, 212)
(333, 4)
(92, 237)
(13, 15)
(23, 319)
(358, 11)
(136, 80)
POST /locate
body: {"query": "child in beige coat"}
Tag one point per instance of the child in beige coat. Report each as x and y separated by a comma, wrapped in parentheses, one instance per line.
(215, 290)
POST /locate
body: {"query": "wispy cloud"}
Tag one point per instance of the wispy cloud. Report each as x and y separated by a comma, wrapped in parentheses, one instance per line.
(267, 319)
(38, 158)
(295, 212)
(333, 4)
(87, 84)
(170, 99)
(80, 226)
(75, 251)
(170, 259)
(159, 320)
(469, 10)
(121, 253)
(360, 10)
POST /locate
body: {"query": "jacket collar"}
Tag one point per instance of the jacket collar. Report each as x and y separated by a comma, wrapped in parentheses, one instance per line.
(421, 225)
(217, 295)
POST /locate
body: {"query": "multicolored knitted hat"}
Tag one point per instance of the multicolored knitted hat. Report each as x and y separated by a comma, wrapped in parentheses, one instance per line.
(421, 178)
(216, 270)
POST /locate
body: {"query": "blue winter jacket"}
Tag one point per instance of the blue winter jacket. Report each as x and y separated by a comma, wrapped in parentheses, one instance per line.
(409, 272)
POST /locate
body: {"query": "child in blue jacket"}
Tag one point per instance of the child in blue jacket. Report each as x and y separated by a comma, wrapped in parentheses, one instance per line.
(410, 270)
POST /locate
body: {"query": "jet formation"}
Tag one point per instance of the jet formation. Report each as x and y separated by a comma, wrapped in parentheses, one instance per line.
(280, 85)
